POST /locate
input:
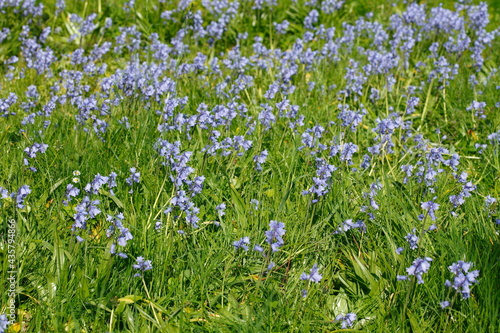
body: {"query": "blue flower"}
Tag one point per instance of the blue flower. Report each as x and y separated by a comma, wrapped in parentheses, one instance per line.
(142, 265)
(412, 240)
(463, 279)
(444, 304)
(221, 209)
(4, 322)
(242, 243)
(314, 276)
(419, 267)
(347, 320)
(274, 236)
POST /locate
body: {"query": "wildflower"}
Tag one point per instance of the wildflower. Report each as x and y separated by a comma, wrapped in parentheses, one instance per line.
(220, 209)
(275, 234)
(142, 265)
(463, 279)
(444, 304)
(412, 240)
(282, 27)
(322, 182)
(71, 192)
(258, 248)
(33, 150)
(4, 322)
(431, 207)
(419, 266)
(347, 320)
(266, 116)
(314, 276)
(489, 200)
(260, 159)
(242, 243)
(124, 234)
(135, 177)
(478, 107)
(432, 227)
(255, 203)
(21, 195)
(348, 225)
(4, 193)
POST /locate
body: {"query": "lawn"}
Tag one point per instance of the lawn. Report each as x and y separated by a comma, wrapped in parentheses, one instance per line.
(249, 166)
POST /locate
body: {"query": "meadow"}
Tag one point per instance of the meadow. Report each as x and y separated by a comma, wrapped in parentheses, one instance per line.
(249, 166)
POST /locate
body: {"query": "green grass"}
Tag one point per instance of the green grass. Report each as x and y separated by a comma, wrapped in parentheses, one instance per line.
(199, 282)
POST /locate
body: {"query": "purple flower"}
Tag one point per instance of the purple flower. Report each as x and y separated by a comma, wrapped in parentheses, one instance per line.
(275, 234)
(123, 234)
(431, 207)
(282, 27)
(489, 201)
(4, 194)
(255, 203)
(220, 209)
(311, 19)
(412, 240)
(71, 192)
(33, 150)
(258, 248)
(4, 323)
(266, 116)
(478, 108)
(242, 243)
(314, 276)
(260, 159)
(135, 177)
(348, 225)
(444, 304)
(142, 265)
(21, 195)
(419, 267)
(463, 279)
(347, 320)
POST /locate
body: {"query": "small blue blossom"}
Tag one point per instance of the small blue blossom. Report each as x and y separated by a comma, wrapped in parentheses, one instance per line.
(419, 267)
(274, 236)
(221, 209)
(4, 323)
(347, 320)
(430, 207)
(135, 177)
(463, 279)
(412, 240)
(313, 276)
(255, 204)
(142, 265)
(444, 304)
(242, 243)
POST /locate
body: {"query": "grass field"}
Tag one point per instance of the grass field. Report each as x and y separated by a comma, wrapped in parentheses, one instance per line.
(249, 166)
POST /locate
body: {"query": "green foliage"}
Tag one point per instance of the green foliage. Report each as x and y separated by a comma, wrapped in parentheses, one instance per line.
(199, 282)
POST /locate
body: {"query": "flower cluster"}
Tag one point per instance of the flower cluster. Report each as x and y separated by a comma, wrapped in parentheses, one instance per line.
(417, 269)
(463, 279)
